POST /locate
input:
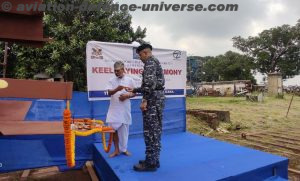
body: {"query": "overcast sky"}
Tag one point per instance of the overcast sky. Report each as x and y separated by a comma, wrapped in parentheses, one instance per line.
(210, 33)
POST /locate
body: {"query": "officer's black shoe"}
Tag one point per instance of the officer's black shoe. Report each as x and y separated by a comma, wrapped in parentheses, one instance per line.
(142, 167)
(143, 162)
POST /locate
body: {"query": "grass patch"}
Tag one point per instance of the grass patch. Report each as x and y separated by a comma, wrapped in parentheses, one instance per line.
(269, 114)
(247, 117)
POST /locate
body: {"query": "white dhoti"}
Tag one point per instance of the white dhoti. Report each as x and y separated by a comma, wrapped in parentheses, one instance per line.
(123, 131)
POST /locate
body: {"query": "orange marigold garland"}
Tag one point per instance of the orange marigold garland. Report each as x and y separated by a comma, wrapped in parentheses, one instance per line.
(73, 148)
(68, 138)
(107, 149)
(70, 134)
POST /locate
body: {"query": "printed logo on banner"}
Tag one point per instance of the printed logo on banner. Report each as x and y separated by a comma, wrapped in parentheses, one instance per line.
(97, 53)
(177, 54)
(134, 54)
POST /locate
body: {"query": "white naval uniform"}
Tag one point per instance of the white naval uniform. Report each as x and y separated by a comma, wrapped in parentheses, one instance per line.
(119, 112)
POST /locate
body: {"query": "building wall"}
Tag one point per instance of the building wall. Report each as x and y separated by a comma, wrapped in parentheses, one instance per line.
(224, 89)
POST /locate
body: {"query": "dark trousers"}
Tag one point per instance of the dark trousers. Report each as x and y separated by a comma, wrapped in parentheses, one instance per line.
(152, 121)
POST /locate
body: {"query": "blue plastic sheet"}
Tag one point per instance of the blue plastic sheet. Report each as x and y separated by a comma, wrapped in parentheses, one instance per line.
(32, 151)
(186, 156)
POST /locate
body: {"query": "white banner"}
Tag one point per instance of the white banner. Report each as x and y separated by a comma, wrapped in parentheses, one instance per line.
(102, 55)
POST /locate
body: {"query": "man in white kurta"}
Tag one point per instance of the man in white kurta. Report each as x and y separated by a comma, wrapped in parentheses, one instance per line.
(119, 112)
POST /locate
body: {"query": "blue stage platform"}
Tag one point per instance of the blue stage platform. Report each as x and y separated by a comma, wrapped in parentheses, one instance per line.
(186, 156)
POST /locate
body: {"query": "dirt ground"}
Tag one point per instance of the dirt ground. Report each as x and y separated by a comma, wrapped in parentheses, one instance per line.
(265, 124)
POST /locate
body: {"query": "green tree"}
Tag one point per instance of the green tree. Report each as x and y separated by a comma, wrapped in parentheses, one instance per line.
(227, 67)
(71, 30)
(274, 50)
(195, 67)
(209, 72)
(11, 60)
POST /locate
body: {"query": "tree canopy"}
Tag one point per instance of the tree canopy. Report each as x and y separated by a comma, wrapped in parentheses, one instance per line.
(71, 30)
(227, 67)
(195, 67)
(274, 50)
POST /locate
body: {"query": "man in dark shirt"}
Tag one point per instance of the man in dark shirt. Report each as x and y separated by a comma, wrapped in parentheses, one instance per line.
(152, 88)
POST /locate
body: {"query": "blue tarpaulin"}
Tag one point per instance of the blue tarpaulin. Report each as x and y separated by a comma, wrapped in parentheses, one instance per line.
(186, 156)
(32, 151)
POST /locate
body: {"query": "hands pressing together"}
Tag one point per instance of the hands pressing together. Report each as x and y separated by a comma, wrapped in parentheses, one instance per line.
(123, 97)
